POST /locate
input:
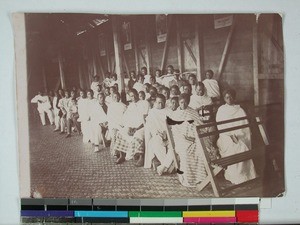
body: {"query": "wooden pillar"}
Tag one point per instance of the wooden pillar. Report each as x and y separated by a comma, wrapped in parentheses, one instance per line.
(163, 61)
(255, 63)
(148, 48)
(199, 49)
(81, 81)
(107, 50)
(136, 46)
(226, 49)
(179, 44)
(118, 51)
(61, 71)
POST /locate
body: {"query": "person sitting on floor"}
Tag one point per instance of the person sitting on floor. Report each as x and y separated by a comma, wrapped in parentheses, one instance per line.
(236, 141)
(108, 99)
(145, 74)
(132, 80)
(193, 82)
(146, 90)
(158, 76)
(115, 113)
(98, 115)
(211, 85)
(43, 106)
(114, 79)
(200, 100)
(166, 92)
(130, 139)
(191, 161)
(156, 139)
(139, 86)
(144, 104)
(174, 91)
(152, 98)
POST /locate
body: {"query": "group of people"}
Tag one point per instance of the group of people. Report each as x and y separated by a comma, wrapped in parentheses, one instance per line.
(153, 122)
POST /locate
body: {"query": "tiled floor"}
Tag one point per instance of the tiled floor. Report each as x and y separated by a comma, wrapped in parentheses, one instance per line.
(67, 168)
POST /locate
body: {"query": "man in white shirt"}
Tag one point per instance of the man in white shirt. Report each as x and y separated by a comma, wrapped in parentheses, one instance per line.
(63, 105)
(43, 106)
(145, 75)
(98, 115)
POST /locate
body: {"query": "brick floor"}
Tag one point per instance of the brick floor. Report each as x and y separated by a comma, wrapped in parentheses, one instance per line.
(67, 168)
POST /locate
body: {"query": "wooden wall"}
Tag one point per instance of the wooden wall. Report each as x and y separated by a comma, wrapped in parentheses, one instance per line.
(82, 58)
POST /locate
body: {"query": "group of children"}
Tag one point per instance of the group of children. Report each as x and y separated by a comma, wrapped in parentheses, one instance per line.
(104, 115)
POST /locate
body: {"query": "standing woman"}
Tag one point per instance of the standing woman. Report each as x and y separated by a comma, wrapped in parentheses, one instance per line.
(236, 141)
(56, 98)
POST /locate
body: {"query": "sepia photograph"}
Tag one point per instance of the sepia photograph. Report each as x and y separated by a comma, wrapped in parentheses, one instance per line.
(154, 106)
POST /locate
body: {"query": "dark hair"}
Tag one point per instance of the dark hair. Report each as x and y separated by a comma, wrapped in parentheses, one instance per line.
(210, 71)
(174, 98)
(117, 93)
(91, 91)
(103, 95)
(175, 86)
(167, 90)
(200, 84)
(144, 68)
(158, 70)
(184, 96)
(114, 75)
(133, 91)
(170, 66)
(161, 96)
(192, 75)
(142, 92)
(140, 76)
(230, 92)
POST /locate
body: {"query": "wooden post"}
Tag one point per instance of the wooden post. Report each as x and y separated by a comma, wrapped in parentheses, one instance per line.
(179, 45)
(190, 52)
(107, 50)
(61, 71)
(125, 63)
(136, 47)
(255, 63)
(163, 61)
(199, 49)
(148, 49)
(118, 51)
(226, 49)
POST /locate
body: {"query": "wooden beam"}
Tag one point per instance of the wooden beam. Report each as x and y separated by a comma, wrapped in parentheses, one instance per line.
(125, 63)
(190, 52)
(165, 53)
(270, 76)
(199, 50)
(61, 71)
(136, 47)
(143, 58)
(118, 51)
(148, 48)
(81, 82)
(107, 50)
(179, 44)
(255, 63)
(226, 50)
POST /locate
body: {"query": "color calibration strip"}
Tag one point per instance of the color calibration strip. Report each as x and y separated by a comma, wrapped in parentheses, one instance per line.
(137, 211)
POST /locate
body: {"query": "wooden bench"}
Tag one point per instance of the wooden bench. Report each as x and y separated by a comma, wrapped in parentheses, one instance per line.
(215, 166)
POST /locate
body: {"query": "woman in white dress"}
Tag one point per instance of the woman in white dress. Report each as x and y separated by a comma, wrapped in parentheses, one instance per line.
(236, 141)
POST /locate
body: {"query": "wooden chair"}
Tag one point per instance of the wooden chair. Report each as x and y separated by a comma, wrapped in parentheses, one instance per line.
(215, 166)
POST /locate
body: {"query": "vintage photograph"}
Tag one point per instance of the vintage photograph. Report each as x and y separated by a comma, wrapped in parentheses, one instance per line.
(155, 106)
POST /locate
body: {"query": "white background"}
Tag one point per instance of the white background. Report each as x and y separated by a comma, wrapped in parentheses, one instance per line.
(283, 210)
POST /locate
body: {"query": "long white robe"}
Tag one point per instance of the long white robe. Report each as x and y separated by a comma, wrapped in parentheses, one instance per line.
(197, 101)
(83, 111)
(243, 171)
(154, 145)
(56, 112)
(97, 116)
(212, 88)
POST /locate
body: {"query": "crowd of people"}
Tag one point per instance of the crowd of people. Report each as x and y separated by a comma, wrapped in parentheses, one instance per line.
(133, 122)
